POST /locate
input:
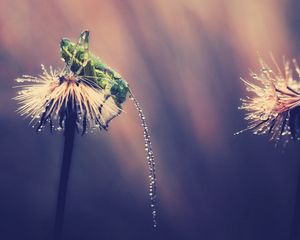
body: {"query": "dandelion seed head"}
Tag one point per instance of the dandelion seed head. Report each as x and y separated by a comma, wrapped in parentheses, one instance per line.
(47, 99)
(274, 105)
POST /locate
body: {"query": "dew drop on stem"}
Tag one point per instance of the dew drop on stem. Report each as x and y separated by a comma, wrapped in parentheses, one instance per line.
(150, 160)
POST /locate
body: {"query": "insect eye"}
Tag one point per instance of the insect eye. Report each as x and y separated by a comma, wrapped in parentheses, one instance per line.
(64, 42)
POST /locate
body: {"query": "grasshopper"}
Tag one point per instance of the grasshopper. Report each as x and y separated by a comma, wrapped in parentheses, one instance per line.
(82, 62)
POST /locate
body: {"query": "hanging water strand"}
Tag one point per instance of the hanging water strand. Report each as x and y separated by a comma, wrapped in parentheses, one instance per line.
(150, 159)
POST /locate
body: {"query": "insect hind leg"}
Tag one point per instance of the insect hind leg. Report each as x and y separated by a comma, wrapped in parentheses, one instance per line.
(84, 41)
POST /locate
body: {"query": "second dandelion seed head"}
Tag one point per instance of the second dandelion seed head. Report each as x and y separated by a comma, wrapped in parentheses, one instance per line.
(274, 107)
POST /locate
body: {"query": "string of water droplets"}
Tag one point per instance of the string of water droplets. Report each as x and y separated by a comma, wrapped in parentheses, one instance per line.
(150, 159)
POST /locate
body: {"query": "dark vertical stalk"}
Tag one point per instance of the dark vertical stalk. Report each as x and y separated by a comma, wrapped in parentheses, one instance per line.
(295, 234)
(69, 134)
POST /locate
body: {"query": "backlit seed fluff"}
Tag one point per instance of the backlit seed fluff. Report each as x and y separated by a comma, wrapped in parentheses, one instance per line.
(52, 95)
(274, 105)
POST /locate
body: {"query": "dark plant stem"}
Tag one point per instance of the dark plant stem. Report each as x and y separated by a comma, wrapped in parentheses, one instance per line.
(69, 134)
(295, 234)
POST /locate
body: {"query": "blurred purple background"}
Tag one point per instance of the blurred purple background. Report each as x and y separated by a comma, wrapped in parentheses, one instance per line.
(183, 59)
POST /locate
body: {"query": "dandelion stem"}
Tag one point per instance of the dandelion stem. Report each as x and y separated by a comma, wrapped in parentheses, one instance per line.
(69, 134)
(295, 234)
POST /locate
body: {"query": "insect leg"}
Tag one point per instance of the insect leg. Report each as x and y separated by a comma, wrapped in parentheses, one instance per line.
(70, 62)
(84, 41)
(90, 75)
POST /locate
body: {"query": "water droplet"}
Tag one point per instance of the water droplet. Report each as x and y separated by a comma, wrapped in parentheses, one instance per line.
(150, 160)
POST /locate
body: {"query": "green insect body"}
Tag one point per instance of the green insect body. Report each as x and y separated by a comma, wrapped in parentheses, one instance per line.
(82, 62)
